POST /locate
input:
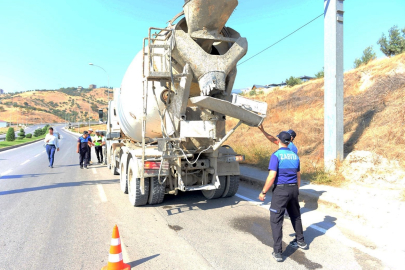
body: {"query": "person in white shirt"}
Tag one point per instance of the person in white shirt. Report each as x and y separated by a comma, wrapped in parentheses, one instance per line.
(52, 145)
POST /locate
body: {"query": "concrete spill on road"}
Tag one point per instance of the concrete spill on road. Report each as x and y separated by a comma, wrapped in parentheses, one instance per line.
(175, 228)
(260, 228)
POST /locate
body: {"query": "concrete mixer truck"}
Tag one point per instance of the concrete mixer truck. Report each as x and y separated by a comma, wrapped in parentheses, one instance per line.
(166, 123)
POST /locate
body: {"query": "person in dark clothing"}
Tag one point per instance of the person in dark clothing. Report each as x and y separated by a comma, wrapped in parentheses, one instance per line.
(83, 149)
(90, 145)
(284, 172)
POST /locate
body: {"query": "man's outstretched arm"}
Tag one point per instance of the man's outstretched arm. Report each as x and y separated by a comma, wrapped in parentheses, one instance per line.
(268, 136)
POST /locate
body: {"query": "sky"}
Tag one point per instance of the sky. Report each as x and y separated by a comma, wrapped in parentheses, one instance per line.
(48, 44)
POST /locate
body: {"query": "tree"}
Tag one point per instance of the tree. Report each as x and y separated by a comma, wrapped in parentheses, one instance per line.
(320, 74)
(21, 135)
(368, 55)
(293, 81)
(395, 44)
(10, 136)
(2, 109)
(26, 104)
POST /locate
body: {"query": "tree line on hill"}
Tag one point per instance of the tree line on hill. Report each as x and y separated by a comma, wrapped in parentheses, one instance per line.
(390, 45)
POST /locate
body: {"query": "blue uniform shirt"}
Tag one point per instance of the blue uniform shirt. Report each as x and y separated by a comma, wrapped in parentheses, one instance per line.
(286, 163)
(83, 142)
(293, 148)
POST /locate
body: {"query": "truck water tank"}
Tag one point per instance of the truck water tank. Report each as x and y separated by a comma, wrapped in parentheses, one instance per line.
(130, 103)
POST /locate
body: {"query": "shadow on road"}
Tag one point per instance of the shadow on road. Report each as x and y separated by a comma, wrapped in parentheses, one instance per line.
(191, 201)
(141, 261)
(311, 202)
(59, 185)
(25, 175)
(312, 232)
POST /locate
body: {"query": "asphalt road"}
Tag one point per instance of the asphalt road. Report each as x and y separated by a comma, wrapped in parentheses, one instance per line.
(62, 218)
(29, 129)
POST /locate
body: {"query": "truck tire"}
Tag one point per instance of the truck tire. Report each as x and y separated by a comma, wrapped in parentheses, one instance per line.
(216, 193)
(123, 178)
(136, 198)
(113, 167)
(232, 186)
(156, 191)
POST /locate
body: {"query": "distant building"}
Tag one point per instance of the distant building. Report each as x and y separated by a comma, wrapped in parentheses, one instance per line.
(80, 88)
(1, 91)
(256, 86)
(92, 86)
(3, 124)
(306, 78)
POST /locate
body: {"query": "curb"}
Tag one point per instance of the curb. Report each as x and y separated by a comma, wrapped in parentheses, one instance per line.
(303, 192)
(18, 145)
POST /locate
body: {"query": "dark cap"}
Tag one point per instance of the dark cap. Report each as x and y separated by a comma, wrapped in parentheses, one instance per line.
(51, 128)
(292, 133)
(284, 137)
(85, 132)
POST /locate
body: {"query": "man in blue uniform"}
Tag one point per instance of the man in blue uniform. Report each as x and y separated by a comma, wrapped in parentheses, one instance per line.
(291, 145)
(83, 149)
(274, 140)
(284, 172)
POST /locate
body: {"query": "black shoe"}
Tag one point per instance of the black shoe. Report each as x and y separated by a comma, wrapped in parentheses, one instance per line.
(298, 244)
(51, 167)
(86, 167)
(81, 167)
(277, 257)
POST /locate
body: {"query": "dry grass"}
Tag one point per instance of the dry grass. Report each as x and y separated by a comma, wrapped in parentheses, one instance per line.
(403, 196)
(94, 127)
(374, 118)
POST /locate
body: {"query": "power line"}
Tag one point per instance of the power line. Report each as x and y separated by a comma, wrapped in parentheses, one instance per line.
(281, 39)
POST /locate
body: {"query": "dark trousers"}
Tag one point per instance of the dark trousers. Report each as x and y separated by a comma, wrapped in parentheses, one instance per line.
(285, 197)
(84, 157)
(89, 148)
(99, 153)
(50, 150)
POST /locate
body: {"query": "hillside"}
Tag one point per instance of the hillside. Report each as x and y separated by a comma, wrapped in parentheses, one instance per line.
(53, 105)
(374, 116)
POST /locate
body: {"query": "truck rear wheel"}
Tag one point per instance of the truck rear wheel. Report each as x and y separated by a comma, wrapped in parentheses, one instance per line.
(123, 178)
(136, 198)
(216, 193)
(156, 191)
(232, 185)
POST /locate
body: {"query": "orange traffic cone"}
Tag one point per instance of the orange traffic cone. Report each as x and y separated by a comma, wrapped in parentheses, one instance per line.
(115, 261)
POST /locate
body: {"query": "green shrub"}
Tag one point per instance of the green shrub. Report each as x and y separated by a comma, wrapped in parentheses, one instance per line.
(38, 132)
(10, 135)
(21, 135)
(29, 136)
(293, 81)
(368, 55)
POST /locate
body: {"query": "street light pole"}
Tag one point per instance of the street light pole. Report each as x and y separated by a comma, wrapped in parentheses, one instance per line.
(108, 85)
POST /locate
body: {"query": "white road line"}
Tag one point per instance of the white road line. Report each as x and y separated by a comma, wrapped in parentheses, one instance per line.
(101, 192)
(25, 162)
(6, 172)
(333, 232)
(38, 155)
(94, 170)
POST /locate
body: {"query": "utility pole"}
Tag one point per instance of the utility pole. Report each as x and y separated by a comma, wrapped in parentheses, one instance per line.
(333, 49)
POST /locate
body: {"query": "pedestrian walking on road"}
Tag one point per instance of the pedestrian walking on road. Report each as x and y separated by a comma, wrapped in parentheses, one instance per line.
(274, 140)
(99, 142)
(284, 172)
(83, 149)
(52, 145)
(90, 144)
